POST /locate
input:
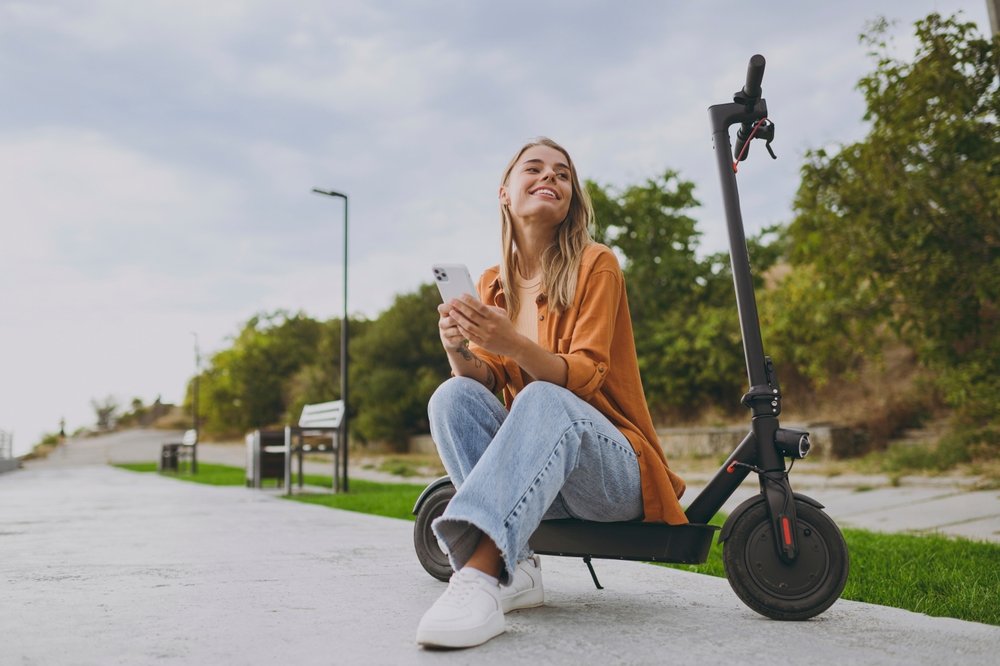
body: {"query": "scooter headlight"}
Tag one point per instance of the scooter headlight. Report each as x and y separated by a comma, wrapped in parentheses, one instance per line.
(792, 443)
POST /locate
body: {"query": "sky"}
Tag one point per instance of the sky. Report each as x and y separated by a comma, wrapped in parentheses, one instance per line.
(157, 157)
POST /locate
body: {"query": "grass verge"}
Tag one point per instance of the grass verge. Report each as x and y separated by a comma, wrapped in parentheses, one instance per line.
(936, 575)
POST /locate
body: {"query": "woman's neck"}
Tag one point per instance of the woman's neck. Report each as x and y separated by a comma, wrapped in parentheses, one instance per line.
(531, 243)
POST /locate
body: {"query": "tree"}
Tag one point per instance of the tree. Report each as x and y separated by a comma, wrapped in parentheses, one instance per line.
(319, 379)
(105, 410)
(396, 366)
(902, 228)
(244, 387)
(683, 309)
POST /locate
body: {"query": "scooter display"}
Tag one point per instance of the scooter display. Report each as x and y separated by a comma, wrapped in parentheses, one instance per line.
(783, 556)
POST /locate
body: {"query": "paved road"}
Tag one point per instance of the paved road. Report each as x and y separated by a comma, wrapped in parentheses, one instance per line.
(103, 566)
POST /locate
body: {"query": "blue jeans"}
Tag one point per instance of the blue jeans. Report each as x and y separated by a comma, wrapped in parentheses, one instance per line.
(552, 456)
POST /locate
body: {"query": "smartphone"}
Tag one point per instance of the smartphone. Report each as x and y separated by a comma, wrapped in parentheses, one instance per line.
(453, 280)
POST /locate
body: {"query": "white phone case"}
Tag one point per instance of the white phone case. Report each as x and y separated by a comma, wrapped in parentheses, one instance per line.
(453, 280)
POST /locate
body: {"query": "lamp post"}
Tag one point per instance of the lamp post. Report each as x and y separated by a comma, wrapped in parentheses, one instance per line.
(195, 390)
(343, 338)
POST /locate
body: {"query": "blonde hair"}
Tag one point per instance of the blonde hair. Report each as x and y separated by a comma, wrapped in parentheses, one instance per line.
(561, 260)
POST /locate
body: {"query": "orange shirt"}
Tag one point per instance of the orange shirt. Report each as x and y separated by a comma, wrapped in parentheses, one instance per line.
(595, 338)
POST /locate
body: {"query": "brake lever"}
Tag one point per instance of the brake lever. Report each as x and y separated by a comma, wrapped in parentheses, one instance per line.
(770, 138)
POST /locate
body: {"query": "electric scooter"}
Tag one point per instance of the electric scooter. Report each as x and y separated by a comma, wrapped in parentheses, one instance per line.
(783, 556)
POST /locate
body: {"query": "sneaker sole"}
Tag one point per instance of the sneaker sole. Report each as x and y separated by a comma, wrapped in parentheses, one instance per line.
(532, 598)
(461, 638)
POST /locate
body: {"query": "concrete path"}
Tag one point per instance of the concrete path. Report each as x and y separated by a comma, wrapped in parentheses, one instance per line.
(103, 566)
(919, 504)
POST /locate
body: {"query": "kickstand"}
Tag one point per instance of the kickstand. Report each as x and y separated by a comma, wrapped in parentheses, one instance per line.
(593, 574)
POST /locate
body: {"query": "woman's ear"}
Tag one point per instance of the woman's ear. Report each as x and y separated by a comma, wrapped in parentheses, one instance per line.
(502, 195)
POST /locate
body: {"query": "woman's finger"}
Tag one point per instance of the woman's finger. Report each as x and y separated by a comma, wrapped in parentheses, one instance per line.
(462, 320)
(470, 307)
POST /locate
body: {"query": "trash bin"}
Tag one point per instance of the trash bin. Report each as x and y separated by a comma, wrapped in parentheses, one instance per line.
(265, 457)
(168, 457)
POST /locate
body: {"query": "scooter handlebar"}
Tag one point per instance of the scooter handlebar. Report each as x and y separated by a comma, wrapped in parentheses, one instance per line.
(755, 74)
(749, 95)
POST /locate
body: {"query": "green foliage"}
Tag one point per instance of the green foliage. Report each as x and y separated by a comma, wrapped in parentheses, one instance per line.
(318, 380)
(398, 364)
(244, 387)
(280, 362)
(105, 411)
(960, 447)
(899, 234)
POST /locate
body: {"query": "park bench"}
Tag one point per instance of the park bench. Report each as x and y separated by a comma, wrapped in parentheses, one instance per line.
(173, 453)
(270, 453)
(318, 431)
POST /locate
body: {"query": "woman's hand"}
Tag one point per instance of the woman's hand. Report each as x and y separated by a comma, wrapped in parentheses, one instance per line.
(487, 326)
(451, 338)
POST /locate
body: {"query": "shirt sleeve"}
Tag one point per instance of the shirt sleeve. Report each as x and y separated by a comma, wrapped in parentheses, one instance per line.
(587, 351)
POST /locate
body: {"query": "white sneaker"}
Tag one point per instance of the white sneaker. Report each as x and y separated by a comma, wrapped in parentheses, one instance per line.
(525, 590)
(468, 613)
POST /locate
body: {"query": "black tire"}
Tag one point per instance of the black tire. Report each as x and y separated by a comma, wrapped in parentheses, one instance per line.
(425, 543)
(781, 591)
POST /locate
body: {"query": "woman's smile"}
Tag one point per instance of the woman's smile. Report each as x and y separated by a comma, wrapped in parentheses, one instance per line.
(540, 186)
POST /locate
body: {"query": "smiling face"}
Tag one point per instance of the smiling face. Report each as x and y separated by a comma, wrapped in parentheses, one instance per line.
(539, 189)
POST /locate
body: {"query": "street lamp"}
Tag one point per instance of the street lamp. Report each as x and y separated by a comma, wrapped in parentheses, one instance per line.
(343, 337)
(195, 390)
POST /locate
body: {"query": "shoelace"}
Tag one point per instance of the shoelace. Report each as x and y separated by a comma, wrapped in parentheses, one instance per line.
(460, 587)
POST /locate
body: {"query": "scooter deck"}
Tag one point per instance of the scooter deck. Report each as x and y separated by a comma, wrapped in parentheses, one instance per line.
(650, 542)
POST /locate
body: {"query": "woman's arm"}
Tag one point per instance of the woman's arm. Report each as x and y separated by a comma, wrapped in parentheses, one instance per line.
(463, 362)
(490, 328)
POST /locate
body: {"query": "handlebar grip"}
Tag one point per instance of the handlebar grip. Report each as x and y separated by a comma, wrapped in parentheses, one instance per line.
(755, 74)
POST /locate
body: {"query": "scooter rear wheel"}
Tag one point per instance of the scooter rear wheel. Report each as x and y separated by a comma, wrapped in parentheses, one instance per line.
(778, 590)
(433, 559)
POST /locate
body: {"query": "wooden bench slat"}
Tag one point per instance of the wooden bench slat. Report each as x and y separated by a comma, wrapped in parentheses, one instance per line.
(322, 415)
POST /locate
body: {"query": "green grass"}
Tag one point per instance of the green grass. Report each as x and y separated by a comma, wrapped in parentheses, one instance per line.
(208, 473)
(394, 500)
(935, 575)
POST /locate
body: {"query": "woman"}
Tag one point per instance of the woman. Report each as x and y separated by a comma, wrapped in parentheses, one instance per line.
(553, 332)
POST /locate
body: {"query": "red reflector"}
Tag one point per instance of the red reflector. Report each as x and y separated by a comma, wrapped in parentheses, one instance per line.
(787, 531)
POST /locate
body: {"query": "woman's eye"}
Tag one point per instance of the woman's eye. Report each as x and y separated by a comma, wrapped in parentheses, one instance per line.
(564, 176)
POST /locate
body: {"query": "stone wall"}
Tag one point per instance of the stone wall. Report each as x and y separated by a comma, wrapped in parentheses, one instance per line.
(828, 441)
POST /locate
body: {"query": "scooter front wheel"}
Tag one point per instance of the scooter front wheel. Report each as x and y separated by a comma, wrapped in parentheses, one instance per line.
(779, 590)
(433, 559)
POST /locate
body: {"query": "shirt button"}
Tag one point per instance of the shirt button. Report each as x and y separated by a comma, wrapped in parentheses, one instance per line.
(541, 317)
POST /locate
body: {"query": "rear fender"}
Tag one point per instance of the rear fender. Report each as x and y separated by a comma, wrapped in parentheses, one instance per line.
(434, 485)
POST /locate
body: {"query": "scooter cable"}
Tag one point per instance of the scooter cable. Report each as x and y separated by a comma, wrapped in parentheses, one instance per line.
(746, 146)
